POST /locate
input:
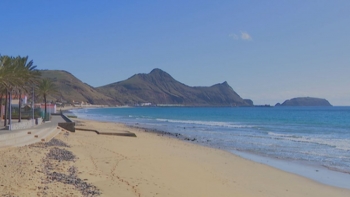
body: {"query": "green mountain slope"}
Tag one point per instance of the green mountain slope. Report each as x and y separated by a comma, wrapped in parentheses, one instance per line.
(72, 89)
(158, 87)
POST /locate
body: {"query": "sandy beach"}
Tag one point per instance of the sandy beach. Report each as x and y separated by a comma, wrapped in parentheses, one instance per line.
(147, 165)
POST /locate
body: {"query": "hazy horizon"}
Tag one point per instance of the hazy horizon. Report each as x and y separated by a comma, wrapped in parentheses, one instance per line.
(267, 51)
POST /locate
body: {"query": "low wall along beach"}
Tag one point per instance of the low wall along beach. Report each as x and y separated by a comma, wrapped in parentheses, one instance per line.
(25, 124)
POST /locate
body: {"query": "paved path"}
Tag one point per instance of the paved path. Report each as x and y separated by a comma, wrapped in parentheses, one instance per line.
(43, 132)
(53, 123)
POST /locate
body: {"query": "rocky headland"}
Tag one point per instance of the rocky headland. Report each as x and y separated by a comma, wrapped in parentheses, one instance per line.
(305, 101)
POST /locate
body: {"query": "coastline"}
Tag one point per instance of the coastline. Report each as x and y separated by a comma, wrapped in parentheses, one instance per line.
(157, 165)
(68, 108)
(302, 148)
(319, 174)
(214, 156)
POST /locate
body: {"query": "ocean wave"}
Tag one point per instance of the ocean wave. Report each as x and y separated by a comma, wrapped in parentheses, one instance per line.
(283, 135)
(341, 144)
(207, 123)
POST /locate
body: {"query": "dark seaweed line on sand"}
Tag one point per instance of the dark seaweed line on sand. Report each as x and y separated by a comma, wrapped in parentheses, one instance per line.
(165, 133)
(127, 133)
(71, 178)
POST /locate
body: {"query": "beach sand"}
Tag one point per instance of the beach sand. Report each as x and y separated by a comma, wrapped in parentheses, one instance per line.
(148, 165)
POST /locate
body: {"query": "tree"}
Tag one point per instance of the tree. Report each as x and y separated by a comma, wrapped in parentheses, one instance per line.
(9, 75)
(45, 88)
(29, 77)
(16, 74)
(2, 93)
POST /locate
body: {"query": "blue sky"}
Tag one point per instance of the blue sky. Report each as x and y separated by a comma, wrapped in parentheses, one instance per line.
(268, 51)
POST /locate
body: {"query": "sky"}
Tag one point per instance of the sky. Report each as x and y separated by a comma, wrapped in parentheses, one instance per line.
(267, 51)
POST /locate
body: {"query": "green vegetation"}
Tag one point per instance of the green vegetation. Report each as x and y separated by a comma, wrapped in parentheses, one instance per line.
(17, 75)
(46, 87)
(26, 114)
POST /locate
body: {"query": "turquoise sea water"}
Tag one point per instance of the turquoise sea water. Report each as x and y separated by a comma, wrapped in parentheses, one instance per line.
(318, 136)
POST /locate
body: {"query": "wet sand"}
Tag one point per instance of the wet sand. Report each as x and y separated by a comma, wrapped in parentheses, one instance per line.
(150, 164)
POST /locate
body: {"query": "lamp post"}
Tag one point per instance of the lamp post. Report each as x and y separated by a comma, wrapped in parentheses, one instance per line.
(33, 120)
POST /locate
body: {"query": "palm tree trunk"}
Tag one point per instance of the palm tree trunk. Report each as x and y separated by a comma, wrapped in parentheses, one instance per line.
(20, 106)
(10, 110)
(6, 102)
(45, 107)
(1, 114)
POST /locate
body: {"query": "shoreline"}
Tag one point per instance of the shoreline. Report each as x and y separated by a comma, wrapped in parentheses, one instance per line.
(163, 135)
(319, 174)
(149, 165)
(322, 171)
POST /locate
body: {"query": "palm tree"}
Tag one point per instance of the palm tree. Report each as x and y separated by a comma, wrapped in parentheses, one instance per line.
(29, 77)
(15, 74)
(2, 92)
(45, 88)
(8, 78)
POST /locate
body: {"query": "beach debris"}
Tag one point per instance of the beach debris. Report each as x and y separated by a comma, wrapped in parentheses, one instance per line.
(166, 133)
(60, 154)
(70, 177)
(8, 195)
(66, 134)
(56, 142)
(73, 171)
(85, 188)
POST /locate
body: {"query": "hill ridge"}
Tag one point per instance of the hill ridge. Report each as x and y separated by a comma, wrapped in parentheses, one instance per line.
(156, 87)
(72, 89)
(159, 87)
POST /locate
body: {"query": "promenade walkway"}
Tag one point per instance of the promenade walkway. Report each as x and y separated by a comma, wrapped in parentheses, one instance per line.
(42, 132)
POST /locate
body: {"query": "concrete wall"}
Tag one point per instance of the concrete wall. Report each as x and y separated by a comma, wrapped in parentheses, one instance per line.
(25, 124)
(70, 126)
(65, 118)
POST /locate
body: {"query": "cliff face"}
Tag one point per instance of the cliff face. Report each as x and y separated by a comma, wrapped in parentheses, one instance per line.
(158, 87)
(305, 101)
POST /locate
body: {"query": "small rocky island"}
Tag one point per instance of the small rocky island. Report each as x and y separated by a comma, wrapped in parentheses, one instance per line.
(305, 101)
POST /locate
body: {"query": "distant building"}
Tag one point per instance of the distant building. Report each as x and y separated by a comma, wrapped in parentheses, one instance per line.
(15, 99)
(51, 108)
(14, 102)
(145, 104)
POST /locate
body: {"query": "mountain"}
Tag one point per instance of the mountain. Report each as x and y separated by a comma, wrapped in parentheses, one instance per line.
(70, 88)
(249, 102)
(305, 101)
(158, 87)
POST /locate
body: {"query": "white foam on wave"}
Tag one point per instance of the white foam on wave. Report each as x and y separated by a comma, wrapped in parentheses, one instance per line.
(342, 144)
(283, 135)
(207, 123)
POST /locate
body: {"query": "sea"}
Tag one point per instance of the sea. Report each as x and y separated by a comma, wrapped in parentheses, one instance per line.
(313, 142)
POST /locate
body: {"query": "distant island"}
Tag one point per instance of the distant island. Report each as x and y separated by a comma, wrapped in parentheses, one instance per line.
(305, 101)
